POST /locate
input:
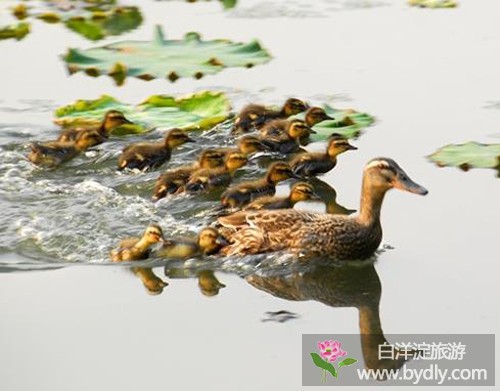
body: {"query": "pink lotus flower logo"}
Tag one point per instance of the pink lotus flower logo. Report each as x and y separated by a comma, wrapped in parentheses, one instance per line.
(329, 351)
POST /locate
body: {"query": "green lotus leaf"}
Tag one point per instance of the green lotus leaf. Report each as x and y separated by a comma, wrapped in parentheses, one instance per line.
(93, 20)
(17, 31)
(468, 155)
(189, 57)
(348, 123)
(197, 111)
(433, 3)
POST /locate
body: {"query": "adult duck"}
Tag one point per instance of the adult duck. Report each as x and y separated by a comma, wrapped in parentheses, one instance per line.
(337, 236)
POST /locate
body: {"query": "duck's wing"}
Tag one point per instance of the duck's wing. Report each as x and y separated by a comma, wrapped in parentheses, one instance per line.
(252, 232)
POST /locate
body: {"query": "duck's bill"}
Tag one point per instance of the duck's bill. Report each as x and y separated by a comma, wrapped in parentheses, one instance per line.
(127, 121)
(312, 131)
(329, 118)
(351, 147)
(403, 182)
(190, 140)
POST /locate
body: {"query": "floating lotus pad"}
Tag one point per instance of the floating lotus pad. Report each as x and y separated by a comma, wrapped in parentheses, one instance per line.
(17, 31)
(433, 3)
(347, 123)
(468, 155)
(189, 57)
(196, 111)
(93, 19)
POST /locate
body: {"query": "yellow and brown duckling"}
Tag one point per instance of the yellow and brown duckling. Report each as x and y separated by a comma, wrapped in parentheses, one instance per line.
(247, 145)
(206, 179)
(315, 115)
(144, 156)
(255, 116)
(154, 285)
(287, 140)
(54, 153)
(112, 119)
(337, 236)
(300, 191)
(311, 164)
(135, 249)
(172, 180)
(245, 192)
(208, 242)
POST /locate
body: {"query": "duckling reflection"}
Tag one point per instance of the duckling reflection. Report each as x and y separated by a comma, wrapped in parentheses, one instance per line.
(346, 286)
(154, 285)
(207, 281)
(329, 196)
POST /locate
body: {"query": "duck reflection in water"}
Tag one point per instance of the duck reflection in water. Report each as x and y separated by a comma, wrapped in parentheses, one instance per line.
(154, 285)
(329, 196)
(338, 286)
(207, 281)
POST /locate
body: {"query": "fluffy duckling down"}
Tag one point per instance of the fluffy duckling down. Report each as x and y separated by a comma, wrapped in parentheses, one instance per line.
(145, 156)
(255, 116)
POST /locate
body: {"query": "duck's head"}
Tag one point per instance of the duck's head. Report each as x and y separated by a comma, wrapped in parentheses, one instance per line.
(303, 191)
(177, 137)
(235, 160)
(153, 234)
(299, 129)
(113, 119)
(315, 115)
(251, 144)
(278, 172)
(211, 158)
(294, 106)
(337, 145)
(210, 241)
(384, 174)
(88, 138)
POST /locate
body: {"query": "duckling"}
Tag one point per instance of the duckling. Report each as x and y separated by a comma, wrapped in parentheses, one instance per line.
(112, 119)
(54, 153)
(144, 156)
(337, 236)
(301, 191)
(315, 115)
(287, 141)
(208, 178)
(135, 249)
(311, 164)
(244, 193)
(257, 115)
(247, 145)
(208, 242)
(172, 180)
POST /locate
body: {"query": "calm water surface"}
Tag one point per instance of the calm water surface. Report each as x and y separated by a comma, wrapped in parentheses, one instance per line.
(71, 321)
